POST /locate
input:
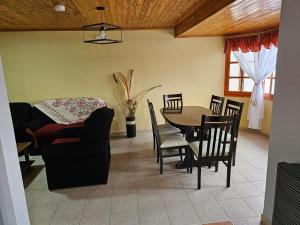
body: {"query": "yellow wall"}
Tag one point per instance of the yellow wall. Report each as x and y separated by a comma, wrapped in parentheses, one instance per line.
(43, 65)
(266, 126)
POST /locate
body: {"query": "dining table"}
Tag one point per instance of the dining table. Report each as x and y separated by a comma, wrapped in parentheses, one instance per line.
(188, 120)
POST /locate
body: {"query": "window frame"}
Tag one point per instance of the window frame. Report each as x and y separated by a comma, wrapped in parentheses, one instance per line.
(267, 96)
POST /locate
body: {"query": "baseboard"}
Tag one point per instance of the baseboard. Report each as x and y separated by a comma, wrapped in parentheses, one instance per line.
(123, 133)
(255, 131)
(265, 220)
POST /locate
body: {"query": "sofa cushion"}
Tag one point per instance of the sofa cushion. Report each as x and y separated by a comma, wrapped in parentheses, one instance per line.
(51, 131)
(65, 140)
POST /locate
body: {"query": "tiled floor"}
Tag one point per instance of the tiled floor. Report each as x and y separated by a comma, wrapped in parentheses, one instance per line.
(137, 194)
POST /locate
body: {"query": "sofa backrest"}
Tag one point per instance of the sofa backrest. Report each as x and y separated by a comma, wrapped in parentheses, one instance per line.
(20, 111)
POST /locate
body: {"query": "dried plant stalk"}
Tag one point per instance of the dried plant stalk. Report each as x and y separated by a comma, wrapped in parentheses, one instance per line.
(131, 102)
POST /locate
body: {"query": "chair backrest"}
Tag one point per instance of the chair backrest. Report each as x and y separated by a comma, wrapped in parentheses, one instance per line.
(96, 129)
(150, 105)
(217, 136)
(234, 108)
(154, 123)
(173, 101)
(216, 104)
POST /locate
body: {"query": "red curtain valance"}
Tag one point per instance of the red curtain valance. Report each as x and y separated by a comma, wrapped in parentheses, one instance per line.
(252, 43)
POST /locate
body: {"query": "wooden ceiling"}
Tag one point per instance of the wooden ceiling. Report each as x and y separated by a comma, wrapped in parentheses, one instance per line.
(187, 17)
(241, 16)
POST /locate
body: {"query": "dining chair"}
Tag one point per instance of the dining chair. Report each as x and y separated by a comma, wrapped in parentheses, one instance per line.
(216, 104)
(215, 144)
(173, 101)
(163, 129)
(168, 144)
(234, 108)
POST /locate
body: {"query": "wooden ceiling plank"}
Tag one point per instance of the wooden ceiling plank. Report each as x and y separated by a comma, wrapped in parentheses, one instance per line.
(208, 9)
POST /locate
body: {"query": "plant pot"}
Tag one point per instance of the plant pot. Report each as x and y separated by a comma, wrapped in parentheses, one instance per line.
(130, 127)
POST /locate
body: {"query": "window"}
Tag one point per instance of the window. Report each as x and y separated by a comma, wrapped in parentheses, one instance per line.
(238, 83)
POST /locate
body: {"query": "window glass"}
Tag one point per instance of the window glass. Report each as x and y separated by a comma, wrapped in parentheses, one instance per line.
(232, 57)
(273, 87)
(267, 85)
(248, 85)
(234, 84)
(235, 70)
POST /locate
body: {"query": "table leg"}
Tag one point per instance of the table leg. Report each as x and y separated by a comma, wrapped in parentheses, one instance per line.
(189, 136)
(26, 154)
(188, 160)
(27, 163)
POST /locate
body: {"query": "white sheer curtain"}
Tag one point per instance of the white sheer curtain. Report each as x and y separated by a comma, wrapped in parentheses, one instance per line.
(258, 66)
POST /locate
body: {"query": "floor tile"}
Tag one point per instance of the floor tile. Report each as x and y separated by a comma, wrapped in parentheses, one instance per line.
(224, 194)
(248, 221)
(67, 210)
(42, 213)
(124, 203)
(154, 217)
(200, 196)
(99, 219)
(260, 185)
(66, 222)
(150, 201)
(210, 212)
(253, 174)
(95, 206)
(256, 203)
(246, 189)
(183, 215)
(237, 208)
(124, 218)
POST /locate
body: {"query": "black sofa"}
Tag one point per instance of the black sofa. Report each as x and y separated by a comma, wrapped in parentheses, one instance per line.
(81, 156)
(30, 124)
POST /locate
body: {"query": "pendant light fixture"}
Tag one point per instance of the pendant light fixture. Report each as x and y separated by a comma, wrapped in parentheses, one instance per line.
(102, 33)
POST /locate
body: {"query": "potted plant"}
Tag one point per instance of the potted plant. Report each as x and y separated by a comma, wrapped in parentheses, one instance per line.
(130, 103)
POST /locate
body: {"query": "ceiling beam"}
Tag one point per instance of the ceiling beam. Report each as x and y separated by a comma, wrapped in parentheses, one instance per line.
(208, 9)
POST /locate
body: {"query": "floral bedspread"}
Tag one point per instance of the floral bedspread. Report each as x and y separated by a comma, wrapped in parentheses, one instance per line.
(70, 110)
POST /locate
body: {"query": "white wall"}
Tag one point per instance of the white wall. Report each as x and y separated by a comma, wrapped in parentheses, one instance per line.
(285, 132)
(13, 208)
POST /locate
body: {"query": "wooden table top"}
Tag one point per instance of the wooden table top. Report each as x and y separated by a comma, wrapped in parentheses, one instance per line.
(189, 116)
(22, 146)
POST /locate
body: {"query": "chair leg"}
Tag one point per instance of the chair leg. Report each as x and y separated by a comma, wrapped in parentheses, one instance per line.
(228, 173)
(154, 142)
(199, 175)
(216, 166)
(161, 165)
(180, 154)
(187, 159)
(234, 154)
(209, 165)
(157, 154)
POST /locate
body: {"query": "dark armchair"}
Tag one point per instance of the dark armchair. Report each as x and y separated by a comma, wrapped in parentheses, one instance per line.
(83, 156)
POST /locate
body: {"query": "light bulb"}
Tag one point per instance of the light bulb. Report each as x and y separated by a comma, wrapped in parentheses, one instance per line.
(102, 34)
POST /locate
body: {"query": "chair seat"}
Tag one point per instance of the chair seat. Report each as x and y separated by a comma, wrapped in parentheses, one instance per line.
(195, 148)
(167, 129)
(172, 140)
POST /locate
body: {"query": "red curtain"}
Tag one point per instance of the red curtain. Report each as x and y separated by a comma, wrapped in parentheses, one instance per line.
(252, 43)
